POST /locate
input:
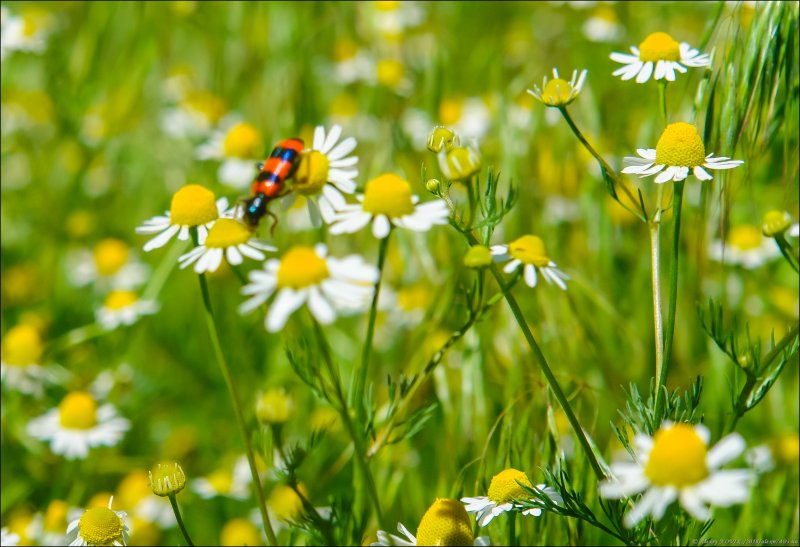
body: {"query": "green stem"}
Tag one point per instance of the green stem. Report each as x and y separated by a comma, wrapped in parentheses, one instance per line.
(658, 327)
(673, 298)
(662, 100)
(512, 529)
(174, 503)
(360, 376)
(786, 250)
(226, 373)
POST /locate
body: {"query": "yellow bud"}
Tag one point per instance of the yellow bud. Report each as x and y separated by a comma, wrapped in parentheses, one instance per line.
(478, 257)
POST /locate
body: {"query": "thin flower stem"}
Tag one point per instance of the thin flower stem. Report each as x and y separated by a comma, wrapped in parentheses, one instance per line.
(512, 529)
(658, 327)
(786, 251)
(360, 376)
(174, 503)
(662, 100)
(226, 373)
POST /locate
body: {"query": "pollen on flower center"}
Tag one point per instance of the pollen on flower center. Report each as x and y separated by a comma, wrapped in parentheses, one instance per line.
(529, 250)
(242, 141)
(301, 267)
(116, 300)
(659, 46)
(100, 526)
(678, 457)
(445, 523)
(110, 255)
(22, 345)
(193, 205)
(504, 487)
(680, 145)
(745, 237)
(78, 410)
(388, 195)
(556, 92)
(227, 232)
(312, 173)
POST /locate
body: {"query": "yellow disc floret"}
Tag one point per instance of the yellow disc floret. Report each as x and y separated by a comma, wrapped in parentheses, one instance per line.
(285, 503)
(680, 145)
(110, 255)
(505, 487)
(529, 250)
(242, 141)
(78, 410)
(301, 267)
(55, 518)
(227, 232)
(659, 46)
(557, 92)
(390, 72)
(745, 237)
(117, 300)
(678, 457)
(312, 173)
(101, 526)
(388, 195)
(193, 205)
(450, 111)
(221, 481)
(22, 345)
(445, 523)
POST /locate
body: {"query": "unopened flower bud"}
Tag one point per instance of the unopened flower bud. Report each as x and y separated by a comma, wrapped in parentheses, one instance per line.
(459, 163)
(167, 479)
(442, 138)
(775, 223)
(478, 257)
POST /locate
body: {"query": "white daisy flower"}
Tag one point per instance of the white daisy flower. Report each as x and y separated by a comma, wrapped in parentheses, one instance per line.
(306, 274)
(229, 238)
(603, 26)
(109, 264)
(100, 526)
(660, 56)
(444, 523)
(387, 201)
(529, 252)
(20, 365)
(6, 536)
(679, 151)
(676, 463)
(558, 92)
(192, 207)
(77, 425)
(238, 146)
(27, 32)
(470, 117)
(326, 168)
(123, 308)
(745, 246)
(230, 482)
(195, 113)
(504, 495)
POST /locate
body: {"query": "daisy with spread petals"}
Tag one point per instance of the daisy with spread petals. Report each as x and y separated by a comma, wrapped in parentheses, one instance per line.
(229, 238)
(504, 493)
(308, 275)
(123, 308)
(444, 523)
(100, 526)
(387, 201)
(327, 168)
(746, 246)
(677, 463)
(192, 207)
(679, 151)
(558, 92)
(660, 56)
(233, 482)
(529, 252)
(20, 364)
(77, 425)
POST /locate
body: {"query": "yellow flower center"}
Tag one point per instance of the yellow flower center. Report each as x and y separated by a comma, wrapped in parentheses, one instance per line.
(386, 5)
(450, 111)
(193, 205)
(680, 145)
(110, 255)
(55, 518)
(745, 237)
(167, 479)
(78, 410)
(678, 457)
(388, 195)
(22, 345)
(504, 487)
(529, 250)
(117, 300)
(274, 407)
(659, 46)
(478, 257)
(221, 481)
(344, 50)
(390, 72)
(414, 298)
(207, 104)
(133, 488)
(445, 523)
(776, 222)
(242, 141)
(311, 174)
(556, 92)
(239, 532)
(227, 232)
(100, 526)
(787, 448)
(301, 267)
(285, 503)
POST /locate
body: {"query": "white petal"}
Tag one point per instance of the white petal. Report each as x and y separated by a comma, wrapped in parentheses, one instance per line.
(643, 507)
(161, 239)
(693, 504)
(624, 58)
(320, 307)
(319, 138)
(342, 149)
(381, 226)
(644, 75)
(530, 275)
(285, 304)
(666, 175)
(233, 256)
(701, 173)
(661, 70)
(330, 140)
(727, 449)
(512, 265)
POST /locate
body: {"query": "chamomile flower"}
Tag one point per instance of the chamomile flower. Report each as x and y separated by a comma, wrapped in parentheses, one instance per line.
(308, 275)
(677, 463)
(529, 252)
(20, 365)
(327, 168)
(26, 32)
(444, 523)
(504, 493)
(100, 526)
(660, 56)
(558, 92)
(238, 146)
(192, 207)
(8, 537)
(233, 482)
(745, 246)
(679, 151)
(123, 308)
(77, 425)
(195, 112)
(229, 238)
(387, 201)
(109, 264)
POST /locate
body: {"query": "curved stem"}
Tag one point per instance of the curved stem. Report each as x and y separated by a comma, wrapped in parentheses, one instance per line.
(174, 503)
